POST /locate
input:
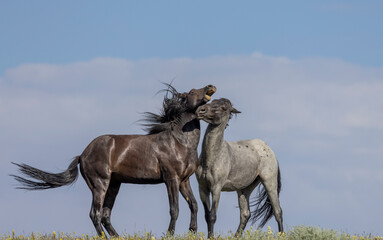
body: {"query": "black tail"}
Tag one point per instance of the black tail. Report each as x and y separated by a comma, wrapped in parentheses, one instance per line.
(46, 180)
(264, 209)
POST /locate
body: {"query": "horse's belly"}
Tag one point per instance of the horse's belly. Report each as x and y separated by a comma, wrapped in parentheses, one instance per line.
(138, 170)
(238, 182)
(138, 179)
(137, 167)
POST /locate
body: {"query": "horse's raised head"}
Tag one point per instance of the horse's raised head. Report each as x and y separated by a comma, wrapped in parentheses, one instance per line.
(175, 105)
(197, 97)
(217, 112)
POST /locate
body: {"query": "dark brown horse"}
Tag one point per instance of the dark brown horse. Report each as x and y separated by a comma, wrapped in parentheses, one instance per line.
(168, 154)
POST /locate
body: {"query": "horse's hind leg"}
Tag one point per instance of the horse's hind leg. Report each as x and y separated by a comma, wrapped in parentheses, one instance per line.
(271, 186)
(187, 193)
(98, 191)
(244, 206)
(110, 198)
(98, 184)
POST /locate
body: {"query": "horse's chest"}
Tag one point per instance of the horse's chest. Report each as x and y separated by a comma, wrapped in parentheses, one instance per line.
(211, 176)
(191, 164)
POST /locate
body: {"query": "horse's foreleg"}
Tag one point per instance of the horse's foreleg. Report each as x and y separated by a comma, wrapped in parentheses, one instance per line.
(173, 187)
(110, 198)
(204, 195)
(187, 193)
(216, 194)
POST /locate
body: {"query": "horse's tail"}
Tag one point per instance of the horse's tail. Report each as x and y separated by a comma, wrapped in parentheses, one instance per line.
(46, 180)
(264, 209)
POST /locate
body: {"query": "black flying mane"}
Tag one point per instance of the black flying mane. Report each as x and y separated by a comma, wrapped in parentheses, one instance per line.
(172, 108)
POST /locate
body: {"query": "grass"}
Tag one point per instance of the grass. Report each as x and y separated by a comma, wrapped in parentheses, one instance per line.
(295, 233)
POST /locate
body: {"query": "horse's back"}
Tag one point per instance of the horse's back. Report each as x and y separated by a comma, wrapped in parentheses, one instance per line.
(129, 157)
(105, 145)
(264, 151)
(268, 161)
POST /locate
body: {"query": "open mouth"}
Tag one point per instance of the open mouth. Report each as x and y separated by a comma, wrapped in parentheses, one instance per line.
(207, 98)
(209, 93)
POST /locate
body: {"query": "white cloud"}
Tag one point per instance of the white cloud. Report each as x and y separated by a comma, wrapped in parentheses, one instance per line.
(313, 112)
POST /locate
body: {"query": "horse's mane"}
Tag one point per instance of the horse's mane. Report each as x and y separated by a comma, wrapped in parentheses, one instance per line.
(172, 108)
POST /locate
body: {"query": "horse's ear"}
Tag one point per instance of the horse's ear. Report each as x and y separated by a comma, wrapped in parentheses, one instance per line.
(233, 110)
(182, 95)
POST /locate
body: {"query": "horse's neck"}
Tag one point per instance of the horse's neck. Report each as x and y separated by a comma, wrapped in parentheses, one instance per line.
(187, 130)
(213, 143)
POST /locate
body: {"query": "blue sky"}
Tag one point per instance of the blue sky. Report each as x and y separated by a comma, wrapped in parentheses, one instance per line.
(307, 76)
(65, 32)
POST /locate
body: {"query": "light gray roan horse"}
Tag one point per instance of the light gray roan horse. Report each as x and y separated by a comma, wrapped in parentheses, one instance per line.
(236, 166)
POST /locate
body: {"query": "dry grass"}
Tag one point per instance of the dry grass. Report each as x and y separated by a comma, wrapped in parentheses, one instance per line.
(295, 233)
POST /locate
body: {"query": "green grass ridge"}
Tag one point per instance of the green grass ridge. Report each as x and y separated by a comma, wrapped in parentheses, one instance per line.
(294, 233)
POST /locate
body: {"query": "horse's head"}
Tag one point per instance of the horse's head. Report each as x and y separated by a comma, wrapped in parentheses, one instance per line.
(175, 105)
(197, 97)
(217, 112)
